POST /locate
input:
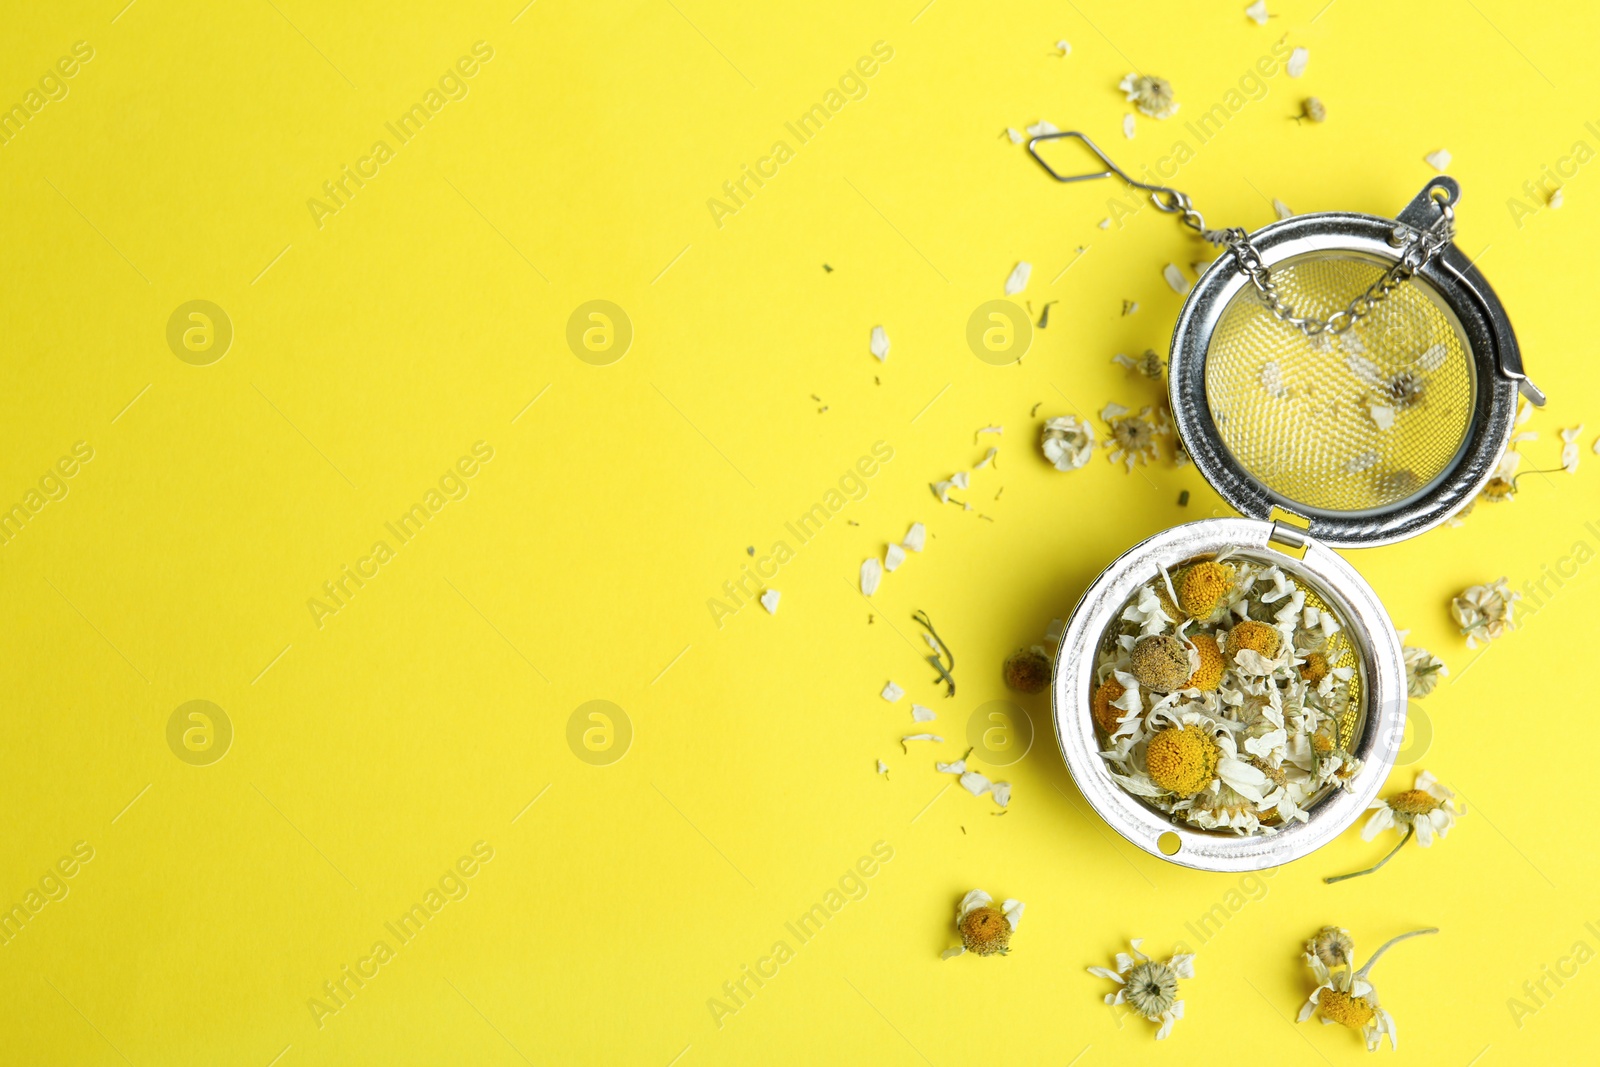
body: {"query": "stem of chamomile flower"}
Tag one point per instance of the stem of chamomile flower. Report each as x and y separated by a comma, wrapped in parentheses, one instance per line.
(1357, 874)
(1362, 973)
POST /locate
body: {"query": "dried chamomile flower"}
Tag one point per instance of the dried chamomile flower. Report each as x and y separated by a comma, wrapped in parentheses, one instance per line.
(1152, 96)
(1348, 998)
(1253, 636)
(1027, 670)
(1423, 670)
(1203, 587)
(1103, 706)
(1149, 986)
(1208, 676)
(1426, 810)
(1313, 109)
(1333, 946)
(1484, 611)
(1067, 442)
(1149, 364)
(1161, 662)
(985, 929)
(1133, 437)
(1182, 762)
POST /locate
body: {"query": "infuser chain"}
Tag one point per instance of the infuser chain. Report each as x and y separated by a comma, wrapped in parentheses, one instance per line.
(1418, 246)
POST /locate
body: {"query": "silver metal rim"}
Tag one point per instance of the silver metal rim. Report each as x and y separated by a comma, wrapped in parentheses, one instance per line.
(1384, 695)
(1459, 288)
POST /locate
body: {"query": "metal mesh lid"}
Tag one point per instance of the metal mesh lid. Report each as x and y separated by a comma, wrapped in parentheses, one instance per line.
(1372, 434)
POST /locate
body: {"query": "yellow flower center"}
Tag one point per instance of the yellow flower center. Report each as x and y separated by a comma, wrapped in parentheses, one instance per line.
(985, 931)
(1498, 489)
(1345, 1009)
(1256, 636)
(1106, 716)
(1182, 761)
(1027, 671)
(1322, 744)
(1208, 676)
(1414, 802)
(1202, 587)
(1315, 668)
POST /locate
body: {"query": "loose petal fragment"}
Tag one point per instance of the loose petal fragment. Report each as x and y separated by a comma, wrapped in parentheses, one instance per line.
(880, 343)
(1017, 280)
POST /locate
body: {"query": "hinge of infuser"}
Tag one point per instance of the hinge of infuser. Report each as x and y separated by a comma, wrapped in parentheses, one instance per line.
(1289, 531)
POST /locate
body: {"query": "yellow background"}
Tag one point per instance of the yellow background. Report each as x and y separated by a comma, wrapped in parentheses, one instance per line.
(369, 354)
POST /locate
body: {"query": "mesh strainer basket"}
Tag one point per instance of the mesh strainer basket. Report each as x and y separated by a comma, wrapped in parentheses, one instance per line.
(1342, 380)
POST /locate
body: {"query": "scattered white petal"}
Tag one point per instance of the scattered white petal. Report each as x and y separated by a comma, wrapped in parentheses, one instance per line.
(1595, 448)
(883, 768)
(1016, 136)
(1053, 632)
(992, 429)
(893, 557)
(988, 458)
(922, 714)
(1297, 62)
(1002, 795)
(880, 343)
(892, 692)
(959, 479)
(1175, 278)
(1128, 127)
(871, 575)
(769, 600)
(1382, 415)
(1437, 160)
(958, 767)
(921, 737)
(916, 537)
(1558, 197)
(1104, 224)
(975, 783)
(1064, 47)
(1113, 411)
(1257, 12)
(1017, 280)
(1040, 128)
(1364, 461)
(1282, 210)
(1272, 380)
(1569, 449)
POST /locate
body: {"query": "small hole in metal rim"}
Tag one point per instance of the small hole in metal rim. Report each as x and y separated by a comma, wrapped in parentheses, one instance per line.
(1169, 843)
(1441, 194)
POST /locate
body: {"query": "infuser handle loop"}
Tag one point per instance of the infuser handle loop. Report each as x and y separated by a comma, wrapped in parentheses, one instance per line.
(1166, 199)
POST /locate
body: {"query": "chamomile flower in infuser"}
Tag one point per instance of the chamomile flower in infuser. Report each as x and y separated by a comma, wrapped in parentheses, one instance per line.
(1484, 611)
(1426, 810)
(985, 929)
(1149, 986)
(1347, 997)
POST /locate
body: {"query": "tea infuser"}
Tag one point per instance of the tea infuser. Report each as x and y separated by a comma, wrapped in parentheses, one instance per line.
(1342, 380)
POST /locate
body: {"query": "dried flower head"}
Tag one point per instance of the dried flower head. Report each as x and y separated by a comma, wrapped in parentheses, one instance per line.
(1149, 986)
(1027, 670)
(1148, 365)
(1255, 636)
(1333, 946)
(1133, 437)
(1423, 670)
(1484, 611)
(1161, 662)
(1067, 442)
(1106, 715)
(1151, 95)
(1315, 668)
(1312, 108)
(1426, 810)
(1182, 761)
(985, 929)
(1202, 588)
(1208, 676)
(1348, 997)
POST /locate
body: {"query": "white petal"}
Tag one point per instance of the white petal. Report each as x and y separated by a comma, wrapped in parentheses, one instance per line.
(1183, 965)
(1018, 278)
(1424, 828)
(1016, 138)
(1175, 278)
(1040, 128)
(1064, 47)
(1257, 12)
(916, 537)
(893, 557)
(1437, 160)
(1002, 793)
(974, 900)
(871, 575)
(1297, 62)
(892, 692)
(769, 600)
(1128, 128)
(1106, 972)
(922, 714)
(952, 953)
(975, 783)
(921, 737)
(1282, 210)
(1012, 909)
(880, 343)
(883, 768)
(960, 480)
(958, 767)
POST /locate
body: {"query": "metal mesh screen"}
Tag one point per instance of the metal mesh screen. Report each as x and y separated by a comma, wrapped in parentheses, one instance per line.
(1361, 420)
